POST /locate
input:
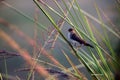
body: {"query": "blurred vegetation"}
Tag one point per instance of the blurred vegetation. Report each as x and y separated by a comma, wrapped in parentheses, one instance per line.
(40, 50)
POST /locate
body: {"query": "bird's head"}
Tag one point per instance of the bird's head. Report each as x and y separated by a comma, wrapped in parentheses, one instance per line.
(71, 30)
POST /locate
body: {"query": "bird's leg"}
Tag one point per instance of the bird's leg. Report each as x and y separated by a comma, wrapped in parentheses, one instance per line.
(72, 43)
(75, 45)
(79, 46)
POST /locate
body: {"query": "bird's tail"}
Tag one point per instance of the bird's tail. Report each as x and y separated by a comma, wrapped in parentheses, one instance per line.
(87, 44)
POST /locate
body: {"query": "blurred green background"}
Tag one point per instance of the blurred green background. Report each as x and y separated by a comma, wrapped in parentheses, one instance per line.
(13, 14)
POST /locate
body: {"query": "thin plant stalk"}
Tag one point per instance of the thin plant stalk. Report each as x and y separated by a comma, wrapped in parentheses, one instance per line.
(6, 71)
(1, 77)
(23, 53)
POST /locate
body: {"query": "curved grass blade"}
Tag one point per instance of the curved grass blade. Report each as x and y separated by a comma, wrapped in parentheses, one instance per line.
(1, 77)
(23, 14)
(77, 72)
(96, 20)
(52, 21)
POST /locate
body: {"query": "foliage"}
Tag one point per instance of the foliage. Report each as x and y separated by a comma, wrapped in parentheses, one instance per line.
(97, 61)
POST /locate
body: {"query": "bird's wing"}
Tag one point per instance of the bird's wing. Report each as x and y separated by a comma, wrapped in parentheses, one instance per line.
(76, 38)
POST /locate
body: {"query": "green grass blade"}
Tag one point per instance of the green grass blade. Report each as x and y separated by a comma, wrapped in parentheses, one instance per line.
(98, 21)
(1, 77)
(75, 23)
(102, 58)
(73, 66)
(52, 21)
(23, 14)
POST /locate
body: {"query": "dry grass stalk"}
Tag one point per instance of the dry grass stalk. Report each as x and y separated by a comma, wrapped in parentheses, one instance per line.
(40, 69)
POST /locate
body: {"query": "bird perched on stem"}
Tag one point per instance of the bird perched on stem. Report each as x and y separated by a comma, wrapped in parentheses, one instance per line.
(76, 39)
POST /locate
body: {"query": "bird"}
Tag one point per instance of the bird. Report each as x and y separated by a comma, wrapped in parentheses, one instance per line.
(72, 36)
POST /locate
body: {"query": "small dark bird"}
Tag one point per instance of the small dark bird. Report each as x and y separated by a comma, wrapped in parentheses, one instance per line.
(75, 39)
